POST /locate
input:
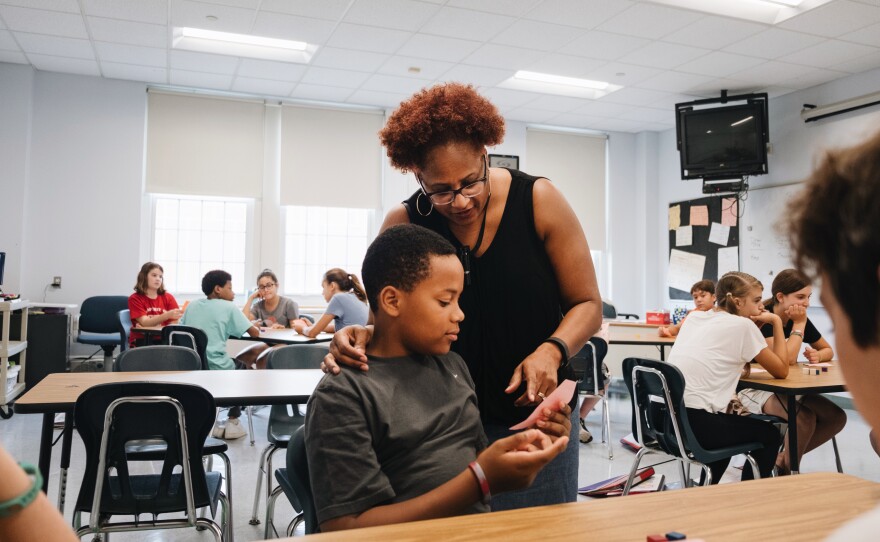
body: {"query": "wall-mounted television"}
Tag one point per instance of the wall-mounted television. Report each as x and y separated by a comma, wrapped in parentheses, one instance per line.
(723, 142)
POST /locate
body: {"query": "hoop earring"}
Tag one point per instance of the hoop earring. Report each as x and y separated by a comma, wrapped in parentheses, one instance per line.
(418, 206)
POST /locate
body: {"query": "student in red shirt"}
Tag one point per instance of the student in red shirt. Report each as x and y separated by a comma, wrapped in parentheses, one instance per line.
(150, 305)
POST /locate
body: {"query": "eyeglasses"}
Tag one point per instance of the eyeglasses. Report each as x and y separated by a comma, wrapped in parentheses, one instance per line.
(266, 286)
(469, 190)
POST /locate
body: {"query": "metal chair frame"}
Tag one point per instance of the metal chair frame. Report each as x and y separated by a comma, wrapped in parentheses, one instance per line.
(606, 414)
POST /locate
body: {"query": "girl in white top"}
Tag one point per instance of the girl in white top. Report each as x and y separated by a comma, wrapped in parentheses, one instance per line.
(711, 351)
(818, 419)
(347, 304)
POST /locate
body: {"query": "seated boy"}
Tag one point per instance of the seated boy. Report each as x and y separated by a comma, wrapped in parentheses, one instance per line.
(220, 319)
(400, 442)
(703, 293)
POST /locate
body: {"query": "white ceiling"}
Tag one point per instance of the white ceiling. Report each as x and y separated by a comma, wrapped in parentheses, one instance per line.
(661, 55)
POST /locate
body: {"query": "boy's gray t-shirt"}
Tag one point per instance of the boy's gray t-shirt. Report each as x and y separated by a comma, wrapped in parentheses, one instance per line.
(397, 431)
(286, 311)
(347, 310)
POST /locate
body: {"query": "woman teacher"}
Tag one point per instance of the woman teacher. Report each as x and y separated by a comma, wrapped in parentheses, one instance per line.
(530, 297)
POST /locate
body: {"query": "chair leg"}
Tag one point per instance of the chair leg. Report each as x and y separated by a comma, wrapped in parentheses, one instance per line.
(632, 471)
(230, 531)
(707, 472)
(755, 472)
(250, 415)
(270, 513)
(837, 455)
(606, 426)
(300, 518)
(261, 472)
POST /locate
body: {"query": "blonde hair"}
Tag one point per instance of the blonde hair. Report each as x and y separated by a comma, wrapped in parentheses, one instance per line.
(732, 285)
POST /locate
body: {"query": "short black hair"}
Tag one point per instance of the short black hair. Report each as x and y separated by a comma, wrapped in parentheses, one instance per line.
(217, 277)
(400, 257)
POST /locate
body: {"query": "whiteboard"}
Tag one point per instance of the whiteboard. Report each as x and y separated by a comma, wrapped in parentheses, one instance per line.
(764, 245)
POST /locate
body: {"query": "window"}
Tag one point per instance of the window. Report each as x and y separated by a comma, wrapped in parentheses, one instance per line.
(321, 238)
(192, 236)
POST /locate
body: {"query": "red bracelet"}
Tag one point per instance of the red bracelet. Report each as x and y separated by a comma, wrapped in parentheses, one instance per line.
(481, 479)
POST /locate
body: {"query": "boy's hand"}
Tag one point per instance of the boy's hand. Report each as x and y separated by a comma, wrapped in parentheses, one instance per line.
(797, 313)
(348, 347)
(555, 422)
(664, 331)
(513, 462)
(539, 372)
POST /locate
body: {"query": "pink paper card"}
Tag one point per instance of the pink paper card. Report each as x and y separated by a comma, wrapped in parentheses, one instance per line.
(729, 211)
(699, 215)
(563, 392)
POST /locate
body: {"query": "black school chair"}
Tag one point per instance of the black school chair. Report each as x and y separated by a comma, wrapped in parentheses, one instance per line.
(609, 312)
(124, 318)
(99, 325)
(587, 366)
(295, 483)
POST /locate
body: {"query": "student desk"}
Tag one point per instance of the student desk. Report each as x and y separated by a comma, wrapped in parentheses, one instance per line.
(639, 334)
(286, 336)
(58, 393)
(718, 513)
(795, 384)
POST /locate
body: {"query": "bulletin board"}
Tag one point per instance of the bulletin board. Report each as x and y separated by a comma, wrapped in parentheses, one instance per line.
(703, 242)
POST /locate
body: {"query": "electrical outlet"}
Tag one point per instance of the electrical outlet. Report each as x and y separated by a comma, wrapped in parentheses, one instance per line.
(56, 282)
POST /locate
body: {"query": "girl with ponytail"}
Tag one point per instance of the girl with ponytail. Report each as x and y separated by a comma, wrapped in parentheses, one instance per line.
(347, 304)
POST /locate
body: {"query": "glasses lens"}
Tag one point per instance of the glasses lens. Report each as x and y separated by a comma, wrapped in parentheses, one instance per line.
(442, 198)
(265, 286)
(473, 189)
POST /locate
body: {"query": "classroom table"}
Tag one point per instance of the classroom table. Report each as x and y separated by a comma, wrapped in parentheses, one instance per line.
(640, 334)
(720, 513)
(797, 383)
(58, 393)
(287, 336)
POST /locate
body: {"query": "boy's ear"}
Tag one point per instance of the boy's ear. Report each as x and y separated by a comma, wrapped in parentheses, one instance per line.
(390, 300)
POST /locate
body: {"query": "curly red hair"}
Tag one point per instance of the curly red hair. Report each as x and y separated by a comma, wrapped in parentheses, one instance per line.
(444, 113)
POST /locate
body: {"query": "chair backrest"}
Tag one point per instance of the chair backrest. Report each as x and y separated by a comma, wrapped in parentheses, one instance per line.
(657, 392)
(297, 356)
(609, 311)
(188, 336)
(585, 367)
(158, 357)
(100, 314)
(298, 474)
(108, 416)
(124, 317)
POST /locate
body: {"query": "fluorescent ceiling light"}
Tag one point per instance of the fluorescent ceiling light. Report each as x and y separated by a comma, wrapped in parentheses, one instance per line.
(545, 83)
(762, 11)
(226, 43)
(560, 80)
(741, 121)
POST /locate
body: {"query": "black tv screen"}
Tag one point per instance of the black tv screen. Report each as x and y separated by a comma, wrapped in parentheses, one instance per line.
(723, 142)
(2, 266)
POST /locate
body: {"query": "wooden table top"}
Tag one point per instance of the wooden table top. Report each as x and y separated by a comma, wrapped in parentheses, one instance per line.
(58, 392)
(633, 333)
(805, 507)
(797, 382)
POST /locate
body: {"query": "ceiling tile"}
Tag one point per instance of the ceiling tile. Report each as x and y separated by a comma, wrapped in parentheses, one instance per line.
(617, 125)
(143, 11)
(131, 54)
(834, 19)
(718, 64)
(870, 35)
(348, 59)
(263, 87)
(714, 32)
(602, 109)
(812, 78)
(672, 81)
(773, 43)
(267, 69)
(69, 6)
(860, 65)
(305, 91)
(525, 114)
(325, 9)
(334, 78)
(537, 35)
(229, 19)
(146, 74)
(466, 24)
(251, 4)
(618, 73)
(64, 65)
(503, 97)
(558, 103)
(69, 25)
(713, 88)
(52, 45)
(479, 76)
(603, 45)
(579, 13)
(371, 97)
(291, 27)
(428, 69)
(14, 57)
(649, 21)
(438, 48)
(648, 114)
(829, 53)
(367, 38)
(398, 14)
(502, 56)
(567, 65)
(395, 85)
(771, 73)
(201, 80)
(203, 62)
(7, 42)
(513, 8)
(634, 96)
(111, 30)
(574, 120)
(669, 101)
(663, 55)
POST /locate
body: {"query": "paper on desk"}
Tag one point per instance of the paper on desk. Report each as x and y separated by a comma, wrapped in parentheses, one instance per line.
(674, 217)
(564, 392)
(719, 234)
(729, 210)
(685, 269)
(699, 215)
(756, 370)
(821, 364)
(684, 236)
(728, 260)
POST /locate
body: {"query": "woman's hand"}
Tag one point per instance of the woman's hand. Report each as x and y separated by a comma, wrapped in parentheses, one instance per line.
(513, 462)
(539, 373)
(766, 317)
(348, 347)
(555, 422)
(797, 313)
(173, 314)
(812, 355)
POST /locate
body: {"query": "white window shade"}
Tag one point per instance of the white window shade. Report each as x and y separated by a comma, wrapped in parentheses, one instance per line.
(330, 158)
(575, 163)
(204, 146)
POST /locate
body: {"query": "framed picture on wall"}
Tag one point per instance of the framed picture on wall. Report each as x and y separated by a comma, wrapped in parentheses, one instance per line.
(504, 160)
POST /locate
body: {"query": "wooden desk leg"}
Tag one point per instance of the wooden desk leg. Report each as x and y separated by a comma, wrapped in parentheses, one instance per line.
(792, 434)
(67, 434)
(45, 461)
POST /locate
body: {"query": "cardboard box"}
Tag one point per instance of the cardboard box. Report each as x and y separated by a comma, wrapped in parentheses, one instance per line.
(657, 317)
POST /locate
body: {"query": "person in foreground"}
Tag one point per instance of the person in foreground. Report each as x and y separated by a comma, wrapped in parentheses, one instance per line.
(530, 293)
(403, 442)
(711, 351)
(834, 227)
